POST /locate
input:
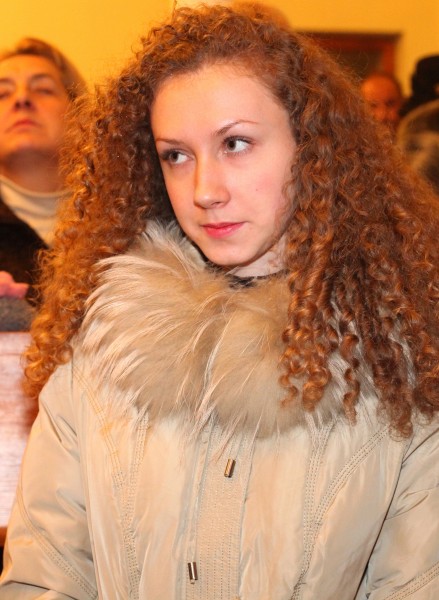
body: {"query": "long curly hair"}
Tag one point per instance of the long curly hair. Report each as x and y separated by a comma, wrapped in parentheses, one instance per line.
(362, 251)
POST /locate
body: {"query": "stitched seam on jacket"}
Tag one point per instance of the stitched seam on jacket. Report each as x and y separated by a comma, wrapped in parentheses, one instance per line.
(119, 480)
(143, 426)
(327, 499)
(346, 473)
(416, 584)
(53, 553)
(319, 446)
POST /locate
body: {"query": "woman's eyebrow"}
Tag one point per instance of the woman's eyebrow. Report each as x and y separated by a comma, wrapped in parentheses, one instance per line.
(32, 78)
(36, 77)
(217, 133)
(226, 128)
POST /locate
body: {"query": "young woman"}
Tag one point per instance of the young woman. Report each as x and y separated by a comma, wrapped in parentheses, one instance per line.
(239, 339)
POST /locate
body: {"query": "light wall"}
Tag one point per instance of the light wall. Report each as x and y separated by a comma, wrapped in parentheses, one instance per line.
(99, 35)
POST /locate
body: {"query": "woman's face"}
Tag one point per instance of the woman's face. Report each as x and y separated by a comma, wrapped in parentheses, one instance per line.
(226, 149)
(33, 102)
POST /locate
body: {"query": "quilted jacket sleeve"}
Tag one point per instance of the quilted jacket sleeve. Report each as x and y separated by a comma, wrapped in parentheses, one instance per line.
(48, 550)
(405, 560)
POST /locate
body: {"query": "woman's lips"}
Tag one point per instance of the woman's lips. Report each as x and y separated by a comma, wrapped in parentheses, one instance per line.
(219, 230)
(23, 123)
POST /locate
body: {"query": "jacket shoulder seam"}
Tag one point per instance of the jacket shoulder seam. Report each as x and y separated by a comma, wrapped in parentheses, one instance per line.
(415, 584)
(126, 503)
(53, 553)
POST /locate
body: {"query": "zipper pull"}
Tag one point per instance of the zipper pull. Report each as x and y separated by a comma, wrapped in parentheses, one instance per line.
(230, 467)
(193, 574)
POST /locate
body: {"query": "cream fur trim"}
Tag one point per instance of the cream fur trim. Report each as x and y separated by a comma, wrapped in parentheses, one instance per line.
(169, 335)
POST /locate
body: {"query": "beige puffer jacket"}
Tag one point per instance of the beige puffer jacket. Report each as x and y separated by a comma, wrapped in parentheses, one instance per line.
(164, 464)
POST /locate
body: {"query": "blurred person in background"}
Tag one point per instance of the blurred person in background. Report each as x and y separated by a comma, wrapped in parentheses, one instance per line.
(382, 92)
(418, 136)
(424, 82)
(37, 85)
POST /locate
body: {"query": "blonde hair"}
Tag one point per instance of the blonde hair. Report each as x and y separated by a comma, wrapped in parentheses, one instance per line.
(73, 82)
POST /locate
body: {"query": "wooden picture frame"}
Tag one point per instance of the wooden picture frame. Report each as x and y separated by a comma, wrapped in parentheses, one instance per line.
(361, 53)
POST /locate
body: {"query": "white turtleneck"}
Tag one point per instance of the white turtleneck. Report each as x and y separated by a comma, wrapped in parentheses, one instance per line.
(36, 209)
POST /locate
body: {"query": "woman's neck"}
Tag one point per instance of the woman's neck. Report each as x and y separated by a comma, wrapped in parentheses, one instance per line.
(40, 176)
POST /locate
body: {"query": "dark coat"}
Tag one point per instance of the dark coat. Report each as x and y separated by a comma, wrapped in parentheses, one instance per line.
(19, 246)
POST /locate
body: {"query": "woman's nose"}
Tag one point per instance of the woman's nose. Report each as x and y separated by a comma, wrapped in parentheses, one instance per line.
(210, 187)
(22, 98)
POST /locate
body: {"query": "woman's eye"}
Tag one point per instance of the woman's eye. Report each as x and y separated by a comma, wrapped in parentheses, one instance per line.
(173, 157)
(45, 91)
(235, 145)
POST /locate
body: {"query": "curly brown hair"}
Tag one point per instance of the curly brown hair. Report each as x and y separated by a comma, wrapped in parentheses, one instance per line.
(362, 249)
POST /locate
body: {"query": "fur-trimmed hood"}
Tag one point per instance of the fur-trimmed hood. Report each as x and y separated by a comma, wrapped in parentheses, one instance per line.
(167, 334)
